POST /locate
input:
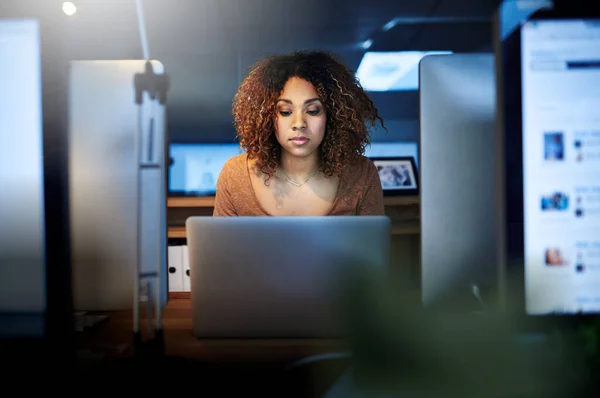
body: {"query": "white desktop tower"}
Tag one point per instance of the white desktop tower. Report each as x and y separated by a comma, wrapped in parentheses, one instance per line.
(111, 172)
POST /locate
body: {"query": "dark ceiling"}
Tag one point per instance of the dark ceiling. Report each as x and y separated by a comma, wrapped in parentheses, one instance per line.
(207, 46)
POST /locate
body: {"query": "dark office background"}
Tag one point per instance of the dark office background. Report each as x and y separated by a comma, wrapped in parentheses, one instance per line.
(207, 46)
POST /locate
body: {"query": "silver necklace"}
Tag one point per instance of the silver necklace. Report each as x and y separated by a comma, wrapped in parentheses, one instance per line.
(290, 181)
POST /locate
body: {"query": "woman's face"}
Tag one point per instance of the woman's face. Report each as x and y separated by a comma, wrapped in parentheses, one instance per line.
(301, 118)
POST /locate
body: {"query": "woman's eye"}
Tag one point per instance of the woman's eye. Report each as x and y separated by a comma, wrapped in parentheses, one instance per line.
(314, 112)
(285, 113)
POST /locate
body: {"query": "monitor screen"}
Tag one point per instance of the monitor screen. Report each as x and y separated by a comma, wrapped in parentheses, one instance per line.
(22, 214)
(560, 72)
(196, 167)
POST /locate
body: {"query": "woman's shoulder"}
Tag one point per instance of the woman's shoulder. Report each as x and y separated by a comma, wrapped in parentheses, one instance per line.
(359, 175)
(362, 166)
(234, 169)
(236, 163)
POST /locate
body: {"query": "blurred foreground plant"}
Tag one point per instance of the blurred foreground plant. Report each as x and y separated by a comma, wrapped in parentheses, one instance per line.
(402, 350)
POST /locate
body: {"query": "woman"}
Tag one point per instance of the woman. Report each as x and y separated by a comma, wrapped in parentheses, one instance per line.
(302, 120)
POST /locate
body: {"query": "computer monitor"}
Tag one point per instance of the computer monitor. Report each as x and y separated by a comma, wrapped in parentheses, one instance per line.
(22, 214)
(549, 72)
(195, 167)
(457, 175)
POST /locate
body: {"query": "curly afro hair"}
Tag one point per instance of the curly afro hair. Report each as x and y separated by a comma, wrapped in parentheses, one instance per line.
(349, 109)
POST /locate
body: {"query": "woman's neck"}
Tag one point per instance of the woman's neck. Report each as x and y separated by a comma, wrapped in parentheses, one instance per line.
(299, 168)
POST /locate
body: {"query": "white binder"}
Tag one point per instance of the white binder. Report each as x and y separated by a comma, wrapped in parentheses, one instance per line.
(175, 268)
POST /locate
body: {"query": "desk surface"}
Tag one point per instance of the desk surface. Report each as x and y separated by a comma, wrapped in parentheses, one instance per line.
(113, 338)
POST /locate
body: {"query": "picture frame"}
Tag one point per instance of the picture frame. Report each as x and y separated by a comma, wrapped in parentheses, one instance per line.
(399, 175)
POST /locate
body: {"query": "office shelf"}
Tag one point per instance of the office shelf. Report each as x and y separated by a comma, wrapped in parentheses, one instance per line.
(396, 206)
(209, 201)
(401, 228)
(401, 200)
(176, 232)
(188, 201)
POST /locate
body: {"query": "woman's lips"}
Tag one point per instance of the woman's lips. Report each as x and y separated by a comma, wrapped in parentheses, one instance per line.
(299, 140)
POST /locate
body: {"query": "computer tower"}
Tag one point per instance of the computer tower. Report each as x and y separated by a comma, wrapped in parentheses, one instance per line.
(118, 184)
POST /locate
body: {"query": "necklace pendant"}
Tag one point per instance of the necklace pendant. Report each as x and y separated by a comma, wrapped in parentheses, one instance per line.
(294, 183)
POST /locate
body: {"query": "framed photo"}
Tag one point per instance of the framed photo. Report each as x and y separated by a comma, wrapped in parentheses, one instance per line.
(398, 175)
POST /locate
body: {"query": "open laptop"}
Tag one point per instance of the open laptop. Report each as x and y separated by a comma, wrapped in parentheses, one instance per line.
(279, 277)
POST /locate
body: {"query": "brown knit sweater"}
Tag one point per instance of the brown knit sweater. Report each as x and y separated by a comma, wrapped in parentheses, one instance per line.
(359, 192)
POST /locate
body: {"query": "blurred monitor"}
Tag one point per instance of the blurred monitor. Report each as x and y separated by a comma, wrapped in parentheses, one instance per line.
(22, 215)
(550, 129)
(458, 233)
(195, 167)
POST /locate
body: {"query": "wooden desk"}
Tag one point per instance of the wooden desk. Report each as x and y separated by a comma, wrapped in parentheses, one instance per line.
(113, 338)
(231, 366)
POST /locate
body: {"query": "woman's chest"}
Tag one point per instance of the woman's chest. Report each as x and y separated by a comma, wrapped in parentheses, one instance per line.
(280, 199)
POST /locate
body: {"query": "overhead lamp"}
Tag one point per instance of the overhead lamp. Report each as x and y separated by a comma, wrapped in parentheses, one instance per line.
(390, 25)
(391, 70)
(69, 8)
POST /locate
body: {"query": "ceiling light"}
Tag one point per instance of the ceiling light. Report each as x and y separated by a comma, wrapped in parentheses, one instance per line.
(366, 44)
(69, 8)
(390, 25)
(391, 71)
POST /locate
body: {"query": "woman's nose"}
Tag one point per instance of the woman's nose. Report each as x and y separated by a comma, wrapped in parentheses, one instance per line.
(299, 123)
